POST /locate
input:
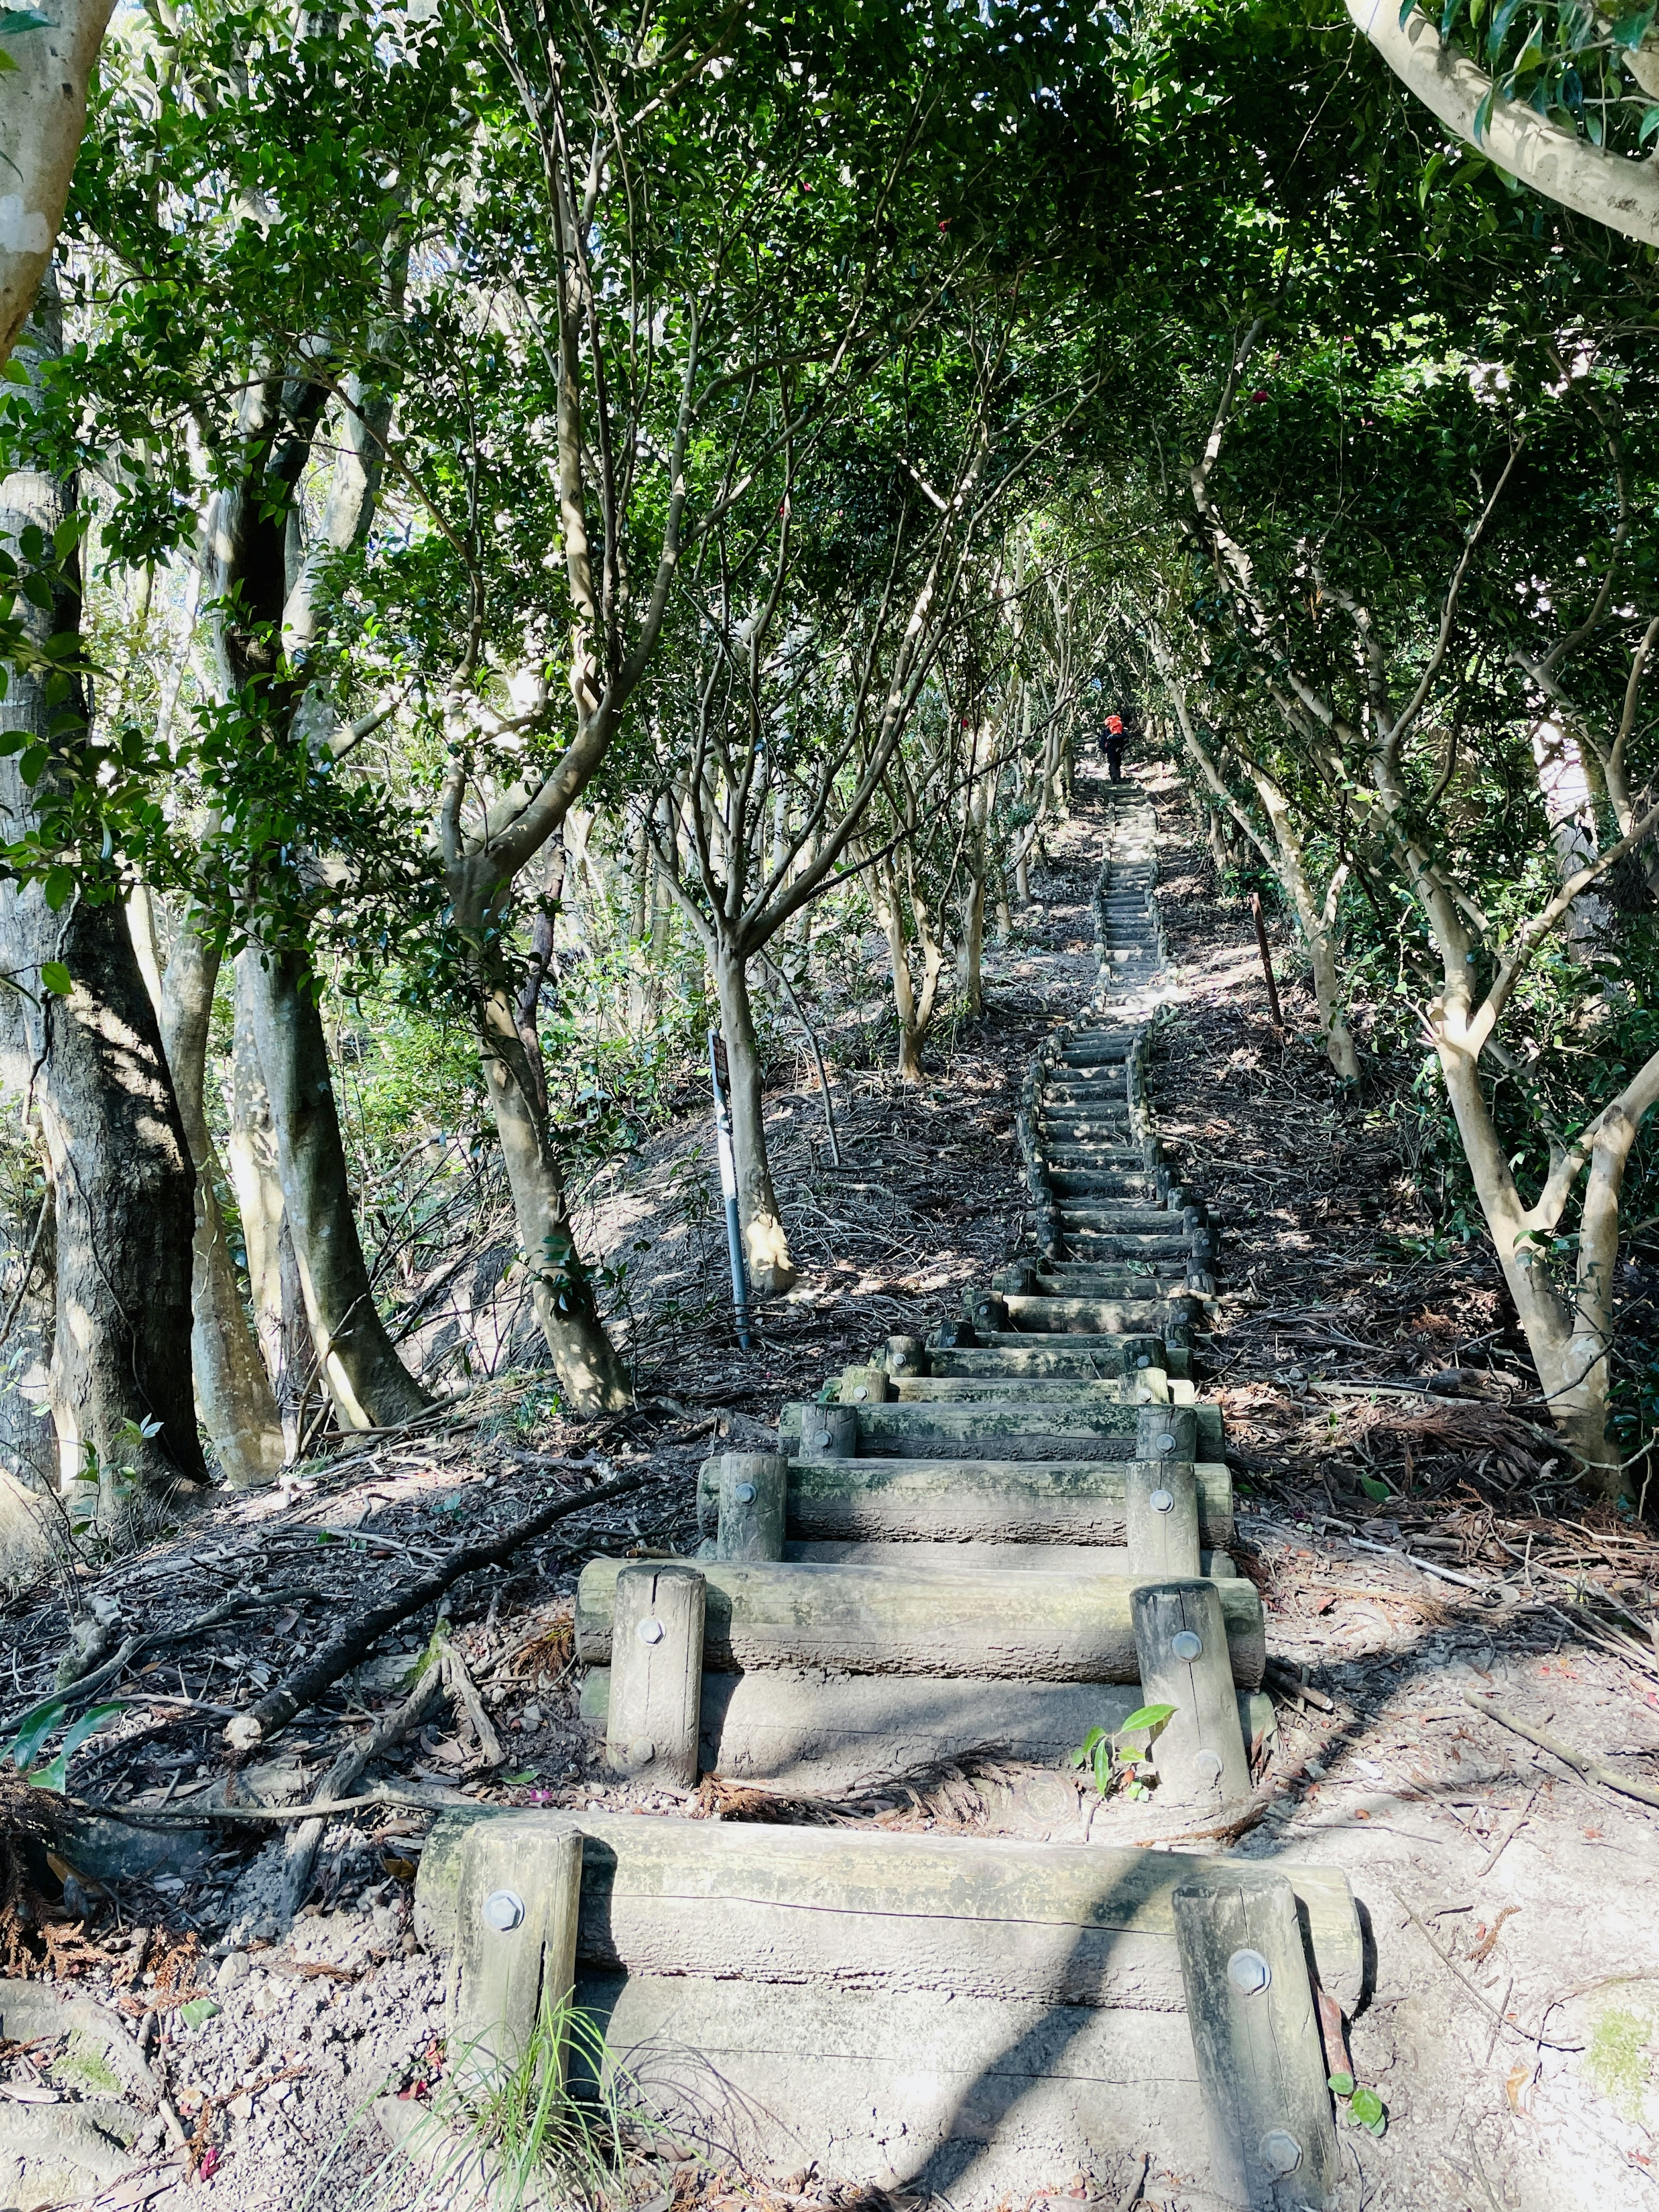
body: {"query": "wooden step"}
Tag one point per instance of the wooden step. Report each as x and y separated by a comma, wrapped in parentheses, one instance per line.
(1054, 1429)
(840, 1733)
(1001, 1625)
(950, 2014)
(943, 1501)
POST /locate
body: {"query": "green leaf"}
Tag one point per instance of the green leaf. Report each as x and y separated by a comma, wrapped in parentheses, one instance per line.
(14, 19)
(530, 1773)
(1145, 1716)
(1375, 1488)
(66, 536)
(33, 1730)
(1367, 2108)
(1341, 2085)
(56, 978)
(1631, 30)
(1500, 24)
(55, 1776)
(197, 2011)
(1650, 124)
(60, 881)
(6, 64)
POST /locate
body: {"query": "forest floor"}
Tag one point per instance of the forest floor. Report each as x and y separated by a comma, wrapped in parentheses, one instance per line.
(1401, 1510)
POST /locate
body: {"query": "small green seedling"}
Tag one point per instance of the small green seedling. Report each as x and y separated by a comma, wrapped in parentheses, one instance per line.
(1363, 2106)
(35, 1727)
(1103, 1751)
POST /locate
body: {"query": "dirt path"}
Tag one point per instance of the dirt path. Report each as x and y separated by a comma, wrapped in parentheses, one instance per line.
(1514, 2065)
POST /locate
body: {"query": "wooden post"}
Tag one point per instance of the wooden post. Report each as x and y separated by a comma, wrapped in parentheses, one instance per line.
(1166, 1432)
(906, 1355)
(656, 1674)
(1256, 2035)
(753, 1490)
(1180, 1643)
(518, 1901)
(1267, 961)
(1160, 1513)
(1141, 1353)
(989, 1311)
(829, 1432)
(865, 1386)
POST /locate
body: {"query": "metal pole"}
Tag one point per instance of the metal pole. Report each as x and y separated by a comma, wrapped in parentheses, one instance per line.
(729, 1187)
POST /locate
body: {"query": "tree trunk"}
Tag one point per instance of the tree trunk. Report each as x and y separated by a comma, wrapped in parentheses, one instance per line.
(970, 945)
(904, 996)
(1573, 1364)
(43, 112)
(369, 1384)
(766, 1246)
(1550, 156)
(124, 1188)
(279, 1313)
(125, 1210)
(232, 1387)
(590, 1376)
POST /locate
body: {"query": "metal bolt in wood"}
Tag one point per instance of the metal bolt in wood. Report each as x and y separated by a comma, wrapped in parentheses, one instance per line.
(829, 1431)
(865, 1386)
(1180, 1643)
(518, 1902)
(1160, 1513)
(906, 1355)
(1256, 2035)
(753, 1490)
(656, 1674)
(1166, 1432)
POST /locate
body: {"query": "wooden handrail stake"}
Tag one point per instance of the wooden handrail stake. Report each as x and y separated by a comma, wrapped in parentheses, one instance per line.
(656, 1673)
(1161, 1519)
(1166, 1432)
(515, 1965)
(754, 1492)
(1180, 1643)
(1255, 2036)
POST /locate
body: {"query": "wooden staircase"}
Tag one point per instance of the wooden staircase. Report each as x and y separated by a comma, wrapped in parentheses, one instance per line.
(978, 1546)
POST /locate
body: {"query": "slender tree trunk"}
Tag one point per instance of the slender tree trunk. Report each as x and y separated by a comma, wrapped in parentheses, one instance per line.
(970, 945)
(232, 1389)
(1023, 873)
(369, 1384)
(590, 1374)
(766, 1246)
(1572, 1363)
(279, 1313)
(124, 1188)
(126, 1200)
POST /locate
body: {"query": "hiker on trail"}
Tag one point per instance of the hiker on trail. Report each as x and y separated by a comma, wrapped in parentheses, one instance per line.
(1111, 743)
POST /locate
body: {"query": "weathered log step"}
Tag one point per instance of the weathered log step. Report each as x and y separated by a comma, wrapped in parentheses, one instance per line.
(832, 1733)
(1079, 1351)
(1071, 1279)
(1076, 1312)
(924, 1557)
(1103, 1360)
(1004, 1625)
(1051, 1430)
(1069, 1179)
(1139, 1386)
(945, 1501)
(1104, 1131)
(1159, 1255)
(1076, 1194)
(883, 1913)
